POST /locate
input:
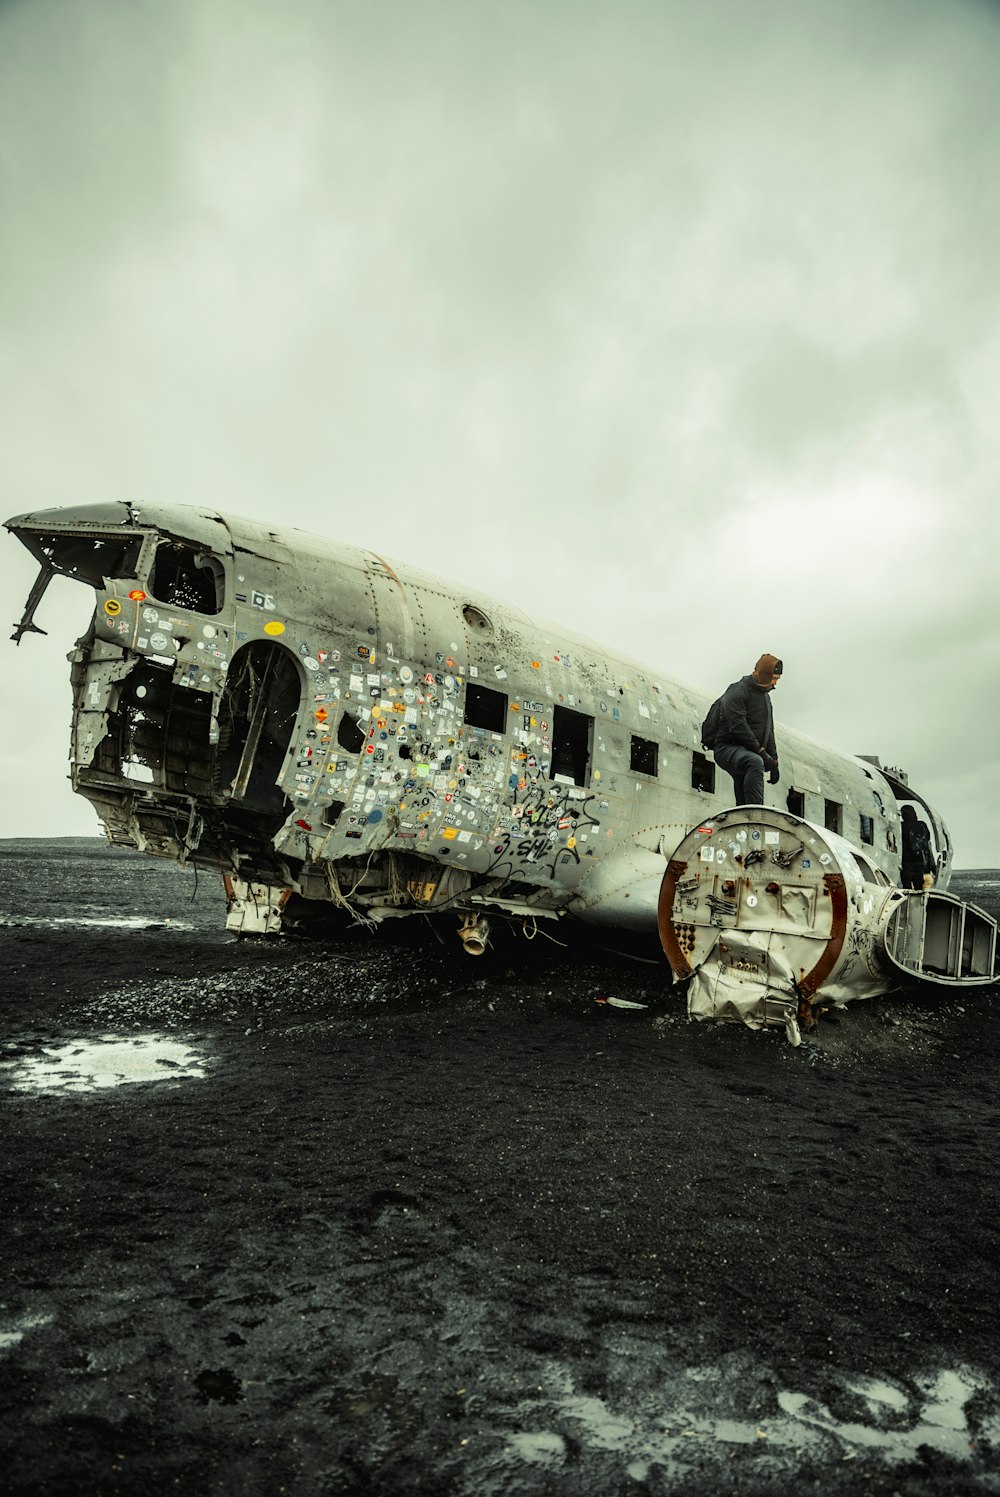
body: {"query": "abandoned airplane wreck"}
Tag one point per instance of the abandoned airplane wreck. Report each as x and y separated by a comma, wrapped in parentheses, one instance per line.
(326, 728)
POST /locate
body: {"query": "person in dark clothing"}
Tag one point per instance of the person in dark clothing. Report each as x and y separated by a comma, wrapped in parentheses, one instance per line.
(918, 859)
(744, 746)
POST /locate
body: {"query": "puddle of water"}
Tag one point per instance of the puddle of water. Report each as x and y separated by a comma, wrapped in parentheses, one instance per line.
(111, 1060)
(539, 1447)
(900, 1423)
(875, 1392)
(606, 1430)
(939, 1421)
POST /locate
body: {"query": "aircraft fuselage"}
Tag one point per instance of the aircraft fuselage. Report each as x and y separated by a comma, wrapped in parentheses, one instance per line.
(313, 716)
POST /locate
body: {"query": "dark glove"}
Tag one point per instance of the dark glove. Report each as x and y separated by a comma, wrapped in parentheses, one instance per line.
(771, 765)
(774, 776)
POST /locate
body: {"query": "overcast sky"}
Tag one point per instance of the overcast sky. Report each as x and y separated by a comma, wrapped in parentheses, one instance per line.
(676, 323)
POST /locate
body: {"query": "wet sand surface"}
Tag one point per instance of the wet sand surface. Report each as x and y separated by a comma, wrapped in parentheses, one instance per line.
(378, 1217)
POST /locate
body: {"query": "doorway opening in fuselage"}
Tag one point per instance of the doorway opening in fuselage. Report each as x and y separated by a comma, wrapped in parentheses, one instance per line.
(256, 722)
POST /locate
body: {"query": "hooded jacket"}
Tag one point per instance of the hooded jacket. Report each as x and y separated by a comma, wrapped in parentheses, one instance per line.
(746, 717)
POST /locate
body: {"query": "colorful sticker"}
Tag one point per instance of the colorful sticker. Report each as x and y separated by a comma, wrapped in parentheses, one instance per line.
(274, 626)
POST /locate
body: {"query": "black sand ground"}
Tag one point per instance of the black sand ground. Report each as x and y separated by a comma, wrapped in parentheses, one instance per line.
(432, 1224)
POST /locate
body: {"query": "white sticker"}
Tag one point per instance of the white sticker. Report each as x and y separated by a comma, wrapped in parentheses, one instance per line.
(708, 854)
(772, 838)
(721, 855)
(741, 836)
(310, 663)
(158, 641)
(752, 900)
(824, 857)
(356, 683)
(405, 674)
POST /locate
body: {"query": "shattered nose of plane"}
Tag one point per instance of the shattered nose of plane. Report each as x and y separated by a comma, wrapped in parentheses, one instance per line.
(87, 542)
(72, 517)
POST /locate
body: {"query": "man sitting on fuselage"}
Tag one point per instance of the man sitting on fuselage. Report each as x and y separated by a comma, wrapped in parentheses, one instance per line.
(744, 744)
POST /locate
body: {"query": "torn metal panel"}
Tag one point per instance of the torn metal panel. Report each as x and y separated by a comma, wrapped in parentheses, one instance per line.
(760, 908)
(253, 909)
(752, 982)
(933, 936)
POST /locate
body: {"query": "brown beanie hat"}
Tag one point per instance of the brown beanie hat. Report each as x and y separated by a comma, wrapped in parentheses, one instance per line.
(767, 667)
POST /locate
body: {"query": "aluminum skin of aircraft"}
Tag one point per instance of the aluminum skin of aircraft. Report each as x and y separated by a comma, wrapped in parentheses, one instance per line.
(324, 726)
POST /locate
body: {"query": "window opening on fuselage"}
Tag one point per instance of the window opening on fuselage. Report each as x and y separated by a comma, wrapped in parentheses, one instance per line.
(187, 578)
(833, 813)
(867, 828)
(796, 802)
(572, 737)
(485, 708)
(869, 872)
(645, 756)
(702, 773)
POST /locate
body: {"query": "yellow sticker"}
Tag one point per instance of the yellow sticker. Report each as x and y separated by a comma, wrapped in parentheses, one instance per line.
(450, 833)
(570, 841)
(274, 626)
(112, 608)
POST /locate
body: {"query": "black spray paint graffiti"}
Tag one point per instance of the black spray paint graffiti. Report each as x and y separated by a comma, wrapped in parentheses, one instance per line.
(544, 811)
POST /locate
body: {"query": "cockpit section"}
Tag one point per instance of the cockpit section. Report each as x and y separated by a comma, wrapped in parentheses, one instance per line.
(87, 556)
(176, 558)
(182, 719)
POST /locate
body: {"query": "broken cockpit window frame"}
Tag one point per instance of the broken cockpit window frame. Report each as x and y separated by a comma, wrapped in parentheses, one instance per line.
(86, 556)
(186, 577)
